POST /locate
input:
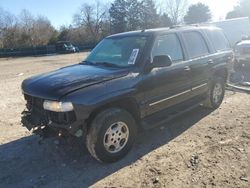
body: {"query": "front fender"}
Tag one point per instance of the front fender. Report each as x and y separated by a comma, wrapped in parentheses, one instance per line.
(88, 99)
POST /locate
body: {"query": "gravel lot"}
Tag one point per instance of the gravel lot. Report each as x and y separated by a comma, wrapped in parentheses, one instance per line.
(201, 149)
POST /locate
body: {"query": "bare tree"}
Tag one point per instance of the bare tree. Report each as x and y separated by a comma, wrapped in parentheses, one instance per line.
(176, 10)
(91, 17)
(26, 28)
(6, 19)
(42, 31)
(8, 28)
(24, 31)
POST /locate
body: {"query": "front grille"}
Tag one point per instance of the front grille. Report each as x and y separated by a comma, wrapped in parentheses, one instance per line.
(61, 117)
(34, 103)
(35, 114)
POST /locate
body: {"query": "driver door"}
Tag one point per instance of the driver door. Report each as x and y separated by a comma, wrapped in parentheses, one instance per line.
(167, 86)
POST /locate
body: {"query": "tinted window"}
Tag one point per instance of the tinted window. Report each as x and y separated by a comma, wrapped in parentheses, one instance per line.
(196, 44)
(218, 40)
(168, 45)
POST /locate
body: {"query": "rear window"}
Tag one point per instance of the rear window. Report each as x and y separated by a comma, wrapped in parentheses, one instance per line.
(218, 40)
(196, 45)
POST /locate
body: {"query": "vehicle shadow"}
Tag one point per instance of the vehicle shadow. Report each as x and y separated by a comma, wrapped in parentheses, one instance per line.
(32, 162)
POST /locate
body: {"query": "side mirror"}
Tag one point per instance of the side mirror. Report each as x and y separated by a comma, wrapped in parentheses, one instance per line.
(162, 61)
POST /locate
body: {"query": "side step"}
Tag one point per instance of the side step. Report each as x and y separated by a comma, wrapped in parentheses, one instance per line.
(167, 115)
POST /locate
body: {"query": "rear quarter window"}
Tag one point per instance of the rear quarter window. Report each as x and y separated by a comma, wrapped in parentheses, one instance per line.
(218, 40)
(195, 44)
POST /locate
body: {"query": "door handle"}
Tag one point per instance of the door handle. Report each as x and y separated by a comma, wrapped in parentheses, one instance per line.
(210, 62)
(187, 68)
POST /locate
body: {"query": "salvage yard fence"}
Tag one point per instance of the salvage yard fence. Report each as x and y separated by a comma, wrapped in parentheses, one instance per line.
(37, 51)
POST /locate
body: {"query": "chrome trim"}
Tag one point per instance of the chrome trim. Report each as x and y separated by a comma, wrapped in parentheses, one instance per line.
(160, 101)
(177, 95)
(199, 86)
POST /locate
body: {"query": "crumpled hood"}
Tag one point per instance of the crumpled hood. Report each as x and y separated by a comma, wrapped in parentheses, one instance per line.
(55, 84)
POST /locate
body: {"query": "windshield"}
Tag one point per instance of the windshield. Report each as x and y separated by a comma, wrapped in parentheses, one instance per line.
(119, 52)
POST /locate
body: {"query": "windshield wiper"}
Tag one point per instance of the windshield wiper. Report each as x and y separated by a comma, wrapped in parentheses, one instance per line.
(108, 64)
(87, 63)
(104, 63)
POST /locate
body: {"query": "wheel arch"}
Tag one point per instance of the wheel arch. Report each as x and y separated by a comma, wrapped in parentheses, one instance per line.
(128, 103)
(222, 73)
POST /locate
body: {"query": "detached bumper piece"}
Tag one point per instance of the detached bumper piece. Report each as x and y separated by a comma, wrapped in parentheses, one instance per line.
(40, 121)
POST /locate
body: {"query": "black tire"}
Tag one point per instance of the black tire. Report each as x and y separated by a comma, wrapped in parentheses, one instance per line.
(210, 102)
(104, 121)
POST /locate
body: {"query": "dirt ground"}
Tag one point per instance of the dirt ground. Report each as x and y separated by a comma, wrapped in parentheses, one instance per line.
(201, 149)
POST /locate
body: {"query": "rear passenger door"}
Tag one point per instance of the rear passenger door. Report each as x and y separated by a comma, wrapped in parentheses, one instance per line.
(199, 60)
(223, 54)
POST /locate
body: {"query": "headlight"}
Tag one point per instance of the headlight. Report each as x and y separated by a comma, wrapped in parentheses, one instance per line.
(58, 106)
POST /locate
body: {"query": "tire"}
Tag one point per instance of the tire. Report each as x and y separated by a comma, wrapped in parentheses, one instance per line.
(215, 94)
(111, 135)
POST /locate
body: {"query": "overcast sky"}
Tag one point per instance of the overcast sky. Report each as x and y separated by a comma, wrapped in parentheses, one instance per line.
(60, 12)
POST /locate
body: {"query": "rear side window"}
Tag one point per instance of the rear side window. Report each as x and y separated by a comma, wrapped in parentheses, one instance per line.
(218, 40)
(196, 45)
(168, 45)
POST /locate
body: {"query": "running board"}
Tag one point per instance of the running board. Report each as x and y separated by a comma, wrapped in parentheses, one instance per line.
(166, 116)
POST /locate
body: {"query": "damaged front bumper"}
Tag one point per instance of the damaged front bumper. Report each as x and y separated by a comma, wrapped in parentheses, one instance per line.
(44, 122)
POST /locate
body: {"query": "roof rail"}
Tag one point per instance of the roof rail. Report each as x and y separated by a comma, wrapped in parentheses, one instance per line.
(175, 26)
(195, 25)
(178, 26)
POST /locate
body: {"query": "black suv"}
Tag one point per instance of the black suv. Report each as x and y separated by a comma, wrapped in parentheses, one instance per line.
(130, 81)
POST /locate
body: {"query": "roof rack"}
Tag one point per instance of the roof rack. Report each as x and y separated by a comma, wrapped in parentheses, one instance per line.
(175, 26)
(188, 25)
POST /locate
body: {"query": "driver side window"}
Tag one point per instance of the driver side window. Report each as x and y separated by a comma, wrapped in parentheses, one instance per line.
(168, 45)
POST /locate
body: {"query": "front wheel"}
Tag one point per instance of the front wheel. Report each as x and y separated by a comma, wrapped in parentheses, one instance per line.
(111, 135)
(215, 94)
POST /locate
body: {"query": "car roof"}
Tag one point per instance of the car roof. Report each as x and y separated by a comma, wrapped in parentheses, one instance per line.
(158, 31)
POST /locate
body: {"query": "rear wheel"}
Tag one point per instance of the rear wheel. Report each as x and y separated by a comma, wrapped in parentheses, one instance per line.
(111, 135)
(216, 93)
